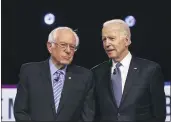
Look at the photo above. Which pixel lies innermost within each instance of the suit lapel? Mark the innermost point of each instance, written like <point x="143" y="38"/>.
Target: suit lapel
<point x="46" y="79"/>
<point x="131" y="77"/>
<point x="107" y="78"/>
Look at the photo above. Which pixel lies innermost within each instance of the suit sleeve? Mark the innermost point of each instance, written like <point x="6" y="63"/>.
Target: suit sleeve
<point x="87" y="114"/>
<point x="158" y="96"/>
<point x="21" y="110"/>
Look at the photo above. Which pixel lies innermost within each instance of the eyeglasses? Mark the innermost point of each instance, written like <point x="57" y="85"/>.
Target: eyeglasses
<point x="64" y="46"/>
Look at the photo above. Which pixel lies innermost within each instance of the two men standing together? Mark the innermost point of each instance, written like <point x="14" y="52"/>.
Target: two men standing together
<point x="124" y="88"/>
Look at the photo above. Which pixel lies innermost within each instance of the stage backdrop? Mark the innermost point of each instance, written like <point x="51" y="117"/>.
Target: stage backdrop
<point x="9" y="92"/>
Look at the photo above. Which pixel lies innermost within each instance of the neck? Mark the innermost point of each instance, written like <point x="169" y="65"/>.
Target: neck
<point x="122" y="56"/>
<point x="58" y="65"/>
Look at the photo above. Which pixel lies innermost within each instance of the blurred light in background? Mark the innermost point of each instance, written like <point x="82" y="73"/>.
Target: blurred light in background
<point x="130" y="20"/>
<point x="49" y="18"/>
<point x="168" y="101"/>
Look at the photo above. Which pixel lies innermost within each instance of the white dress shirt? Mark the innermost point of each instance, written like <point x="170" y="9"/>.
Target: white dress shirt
<point x="123" y="68"/>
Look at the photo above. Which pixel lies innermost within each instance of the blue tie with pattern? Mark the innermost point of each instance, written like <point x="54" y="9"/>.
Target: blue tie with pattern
<point x="117" y="83"/>
<point x="57" y="86"/>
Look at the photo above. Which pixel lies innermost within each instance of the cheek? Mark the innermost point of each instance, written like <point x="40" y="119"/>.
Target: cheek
<point x="120" y="44"/>
<point x="56" y="53"/>
<point x="115" y="45"/>
<point x="72" y="55"/>
<point x="121" y="47"/>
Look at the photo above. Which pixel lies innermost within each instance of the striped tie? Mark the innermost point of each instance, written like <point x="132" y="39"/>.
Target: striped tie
<point x="57" y="86"/>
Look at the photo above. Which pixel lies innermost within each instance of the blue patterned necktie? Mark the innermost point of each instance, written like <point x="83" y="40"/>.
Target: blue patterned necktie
<point x="117" y="83"/>
<point x="57" y="86"/>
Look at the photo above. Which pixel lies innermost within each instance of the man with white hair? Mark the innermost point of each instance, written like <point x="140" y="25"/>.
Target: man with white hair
<point x="128" y="89"/>
<point x="55" y="89"/>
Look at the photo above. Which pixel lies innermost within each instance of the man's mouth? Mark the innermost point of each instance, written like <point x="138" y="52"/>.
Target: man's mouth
<point x="67" y="58"/>
<point x="109" y="50"/>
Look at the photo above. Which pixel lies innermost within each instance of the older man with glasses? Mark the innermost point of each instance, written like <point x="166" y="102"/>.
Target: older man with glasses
<point x="55" y="89"/>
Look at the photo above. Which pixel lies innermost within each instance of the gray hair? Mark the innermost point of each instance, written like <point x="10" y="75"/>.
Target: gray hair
<point x="52" y="36"/>
<point x="122" y="23"/>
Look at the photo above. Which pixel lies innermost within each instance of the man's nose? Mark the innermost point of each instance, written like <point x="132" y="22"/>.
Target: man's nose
<point x="68" y="49"/>
<point x="107" y="42"/>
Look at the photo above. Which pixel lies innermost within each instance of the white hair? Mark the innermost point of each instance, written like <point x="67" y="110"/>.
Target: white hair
<point x="122" y="23"/>
<point x="52" y="36"/>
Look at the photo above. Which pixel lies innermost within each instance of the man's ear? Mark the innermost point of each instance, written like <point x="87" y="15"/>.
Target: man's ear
<point x="49" y="47"/>
<point x="127" y="41"/>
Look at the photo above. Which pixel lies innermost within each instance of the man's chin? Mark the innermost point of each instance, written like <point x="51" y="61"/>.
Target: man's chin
<point x="112" y="56"/>
<point x="65" y="62"/>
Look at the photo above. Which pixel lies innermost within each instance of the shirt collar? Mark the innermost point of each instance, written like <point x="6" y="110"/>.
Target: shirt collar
<point x="53" y="68"/>
<point x="125" y="61"/>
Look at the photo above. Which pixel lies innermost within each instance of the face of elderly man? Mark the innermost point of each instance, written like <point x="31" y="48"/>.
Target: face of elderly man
<point x="115" y="40"/>
<point x="63" y="49"/>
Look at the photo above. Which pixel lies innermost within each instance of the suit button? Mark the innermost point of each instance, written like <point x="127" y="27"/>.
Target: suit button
<point x="118" y="114"/>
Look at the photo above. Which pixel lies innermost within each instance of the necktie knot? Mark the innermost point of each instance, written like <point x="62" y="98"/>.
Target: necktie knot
<point x="116" y="70"/>
<point x="58" y="74"/>
<point x="118" y="65"/>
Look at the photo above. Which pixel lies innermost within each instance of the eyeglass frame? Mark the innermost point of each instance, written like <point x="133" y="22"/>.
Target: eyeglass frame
<point x="65" y="45"/>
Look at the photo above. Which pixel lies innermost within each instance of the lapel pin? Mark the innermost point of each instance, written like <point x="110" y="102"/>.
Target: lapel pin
<point x="69" y="77"/>
<point x="135" y="68"/>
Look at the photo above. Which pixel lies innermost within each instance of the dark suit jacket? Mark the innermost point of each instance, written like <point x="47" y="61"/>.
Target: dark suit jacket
<point x="143" y="99"/>
<point x="34" y="99"/>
